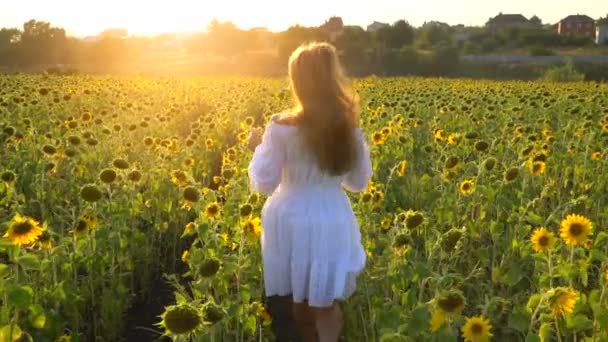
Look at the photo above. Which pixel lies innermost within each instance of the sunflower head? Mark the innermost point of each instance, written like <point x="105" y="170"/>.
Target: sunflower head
<point x="8" y="176"/>
<point x="191" y="194"/>
<point x="537" y="168"/>
<point x="180" y="320"/>
<point x="120" y="164"/>
<point x="91" y="193"/>
<point x="212" y="313"/>
<point x="402" y="168"/>
<point x="451" y="302"/>
<point x="511" y="174"/>
<point x="413" y="219"/>
<point x="477" y="329"/>
<point x="208" y="267"/>
<point x="542" y="240"/>
<point x="562" y="301"/>
<point x="212" y="210"/>
<point x="467" y="187"/>
<point x="378" y="138"/>
<point x="481" y="146"/>
<point x="489" y="164"/>
<point x="597" y="155"/>
<point x="179" y="177"/>
<point x="245" y="210"/>
<point x="452" y="163"/>
<point x="107" y="176"/>
<point x="253" y="226"/>
<point x="575" y="229"/>
<point x="23" y="230"/>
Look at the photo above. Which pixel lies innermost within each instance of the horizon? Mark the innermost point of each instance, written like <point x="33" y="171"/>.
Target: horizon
<point x="188" y="16"/>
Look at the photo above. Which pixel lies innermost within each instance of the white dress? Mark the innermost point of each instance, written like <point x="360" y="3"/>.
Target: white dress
<point x="311" y="243"/>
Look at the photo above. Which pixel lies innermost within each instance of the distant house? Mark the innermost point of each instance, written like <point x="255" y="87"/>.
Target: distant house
<point x="333" y="27"/>
<point x="375" y="26"/>
<point x="601" y="34"/>
<point x="503" y="21"/>
<point x="577" y="24"/>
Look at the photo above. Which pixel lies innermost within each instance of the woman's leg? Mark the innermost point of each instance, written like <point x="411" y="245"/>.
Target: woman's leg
<point x="305" y="320"/>
<point x="329" y="322"/>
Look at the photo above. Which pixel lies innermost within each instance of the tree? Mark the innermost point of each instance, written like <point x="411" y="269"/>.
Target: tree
<point x="42" y="44"/>
<point x="535" y="21"/>
<point x="289" y="40"/>
<point x="433" y="33"/>
<point x="226" y="39"/>
<point x="9" y="40"/>
<point x="603" y="21"/>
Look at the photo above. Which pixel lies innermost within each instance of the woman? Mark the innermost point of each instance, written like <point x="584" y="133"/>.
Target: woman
<point x="311" y="244"/>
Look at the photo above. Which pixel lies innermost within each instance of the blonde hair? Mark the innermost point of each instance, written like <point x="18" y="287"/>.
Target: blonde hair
<point x="326" y="109"/>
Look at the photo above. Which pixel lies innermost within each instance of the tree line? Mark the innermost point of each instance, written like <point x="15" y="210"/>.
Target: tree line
<point x="397" y="49"/>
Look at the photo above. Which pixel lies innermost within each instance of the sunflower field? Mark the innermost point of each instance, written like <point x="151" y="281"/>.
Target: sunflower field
<point x="486" y="218"/>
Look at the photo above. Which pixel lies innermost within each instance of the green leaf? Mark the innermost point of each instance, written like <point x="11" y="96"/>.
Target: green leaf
<point x="537" y="220"/>
<point x="445" y="334"/>
<point x="37" y="316"/>
<point x="422" y="270"/>
<point x="21" y="297"/>
<point x="419" y="320"/>
<point x="28" y="262"/>
<point x="533" y="338"/>
<point x="578" y="322"/>
<point x="545" y="332"/>
<point x="250" y="324"/>
<point x="3" y="269"/>
<point x="10" y="333"/>
<point x="519" y="320"/>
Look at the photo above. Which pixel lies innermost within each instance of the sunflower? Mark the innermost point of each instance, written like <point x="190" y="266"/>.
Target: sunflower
<point x="378" y="138"/>
<point x="575" y="229"/>
<point x="477" y="329"/>
<point x="562" y="301"/>
<point x="467" y="187"/>
<point x="212" y="210"/>
<point x="402" y="168"/>
<point x="438" y="319"/>
<point x="186" y="256"/>
<point x="23" y="230"/>
<point x="511" y="174"/>
<point x="452" y="163"/>
<point x="542" y="240"/>
<point x="453" y="138"/>
<point x="451" y="302"/>
<point x="440" y="135"/>
<point x="597" y="155"/>
<point x="386" y="223"/>
<point x="189" y="228"/>
<point x="253" y="226"/>
<point x="86" y="222"/>
<point x="181" y="320"/>
<point x="189" y="162"/>
<point x="537" y="168"/>
<point x="179" y="177"/>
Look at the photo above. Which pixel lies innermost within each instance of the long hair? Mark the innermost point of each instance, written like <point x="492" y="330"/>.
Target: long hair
<point x="326" y="109"/>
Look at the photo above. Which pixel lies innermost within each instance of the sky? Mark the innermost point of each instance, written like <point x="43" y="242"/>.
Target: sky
<point x="147" y="17"/>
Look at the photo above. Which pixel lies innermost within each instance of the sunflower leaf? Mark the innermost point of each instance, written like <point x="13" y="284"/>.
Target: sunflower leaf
<point x="21" y="297"/>
<point x="28" y="262"/>
<point x="519" y="320"/>
<point x="578" y="322"/>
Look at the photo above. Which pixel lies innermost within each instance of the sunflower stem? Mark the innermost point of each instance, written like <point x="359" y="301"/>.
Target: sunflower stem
<point x="559" y="334"/>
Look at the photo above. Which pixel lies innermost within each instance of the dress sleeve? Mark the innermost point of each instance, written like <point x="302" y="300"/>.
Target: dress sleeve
<point x="266" y="166"/>
<point x="358" y="178"/>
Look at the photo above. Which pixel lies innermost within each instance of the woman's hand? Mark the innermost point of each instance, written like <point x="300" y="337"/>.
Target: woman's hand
<point x="255" y="138"/>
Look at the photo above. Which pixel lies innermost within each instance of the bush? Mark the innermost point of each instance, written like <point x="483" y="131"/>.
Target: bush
<point x="540" y="51"/>
<point x="564" y="73"/>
